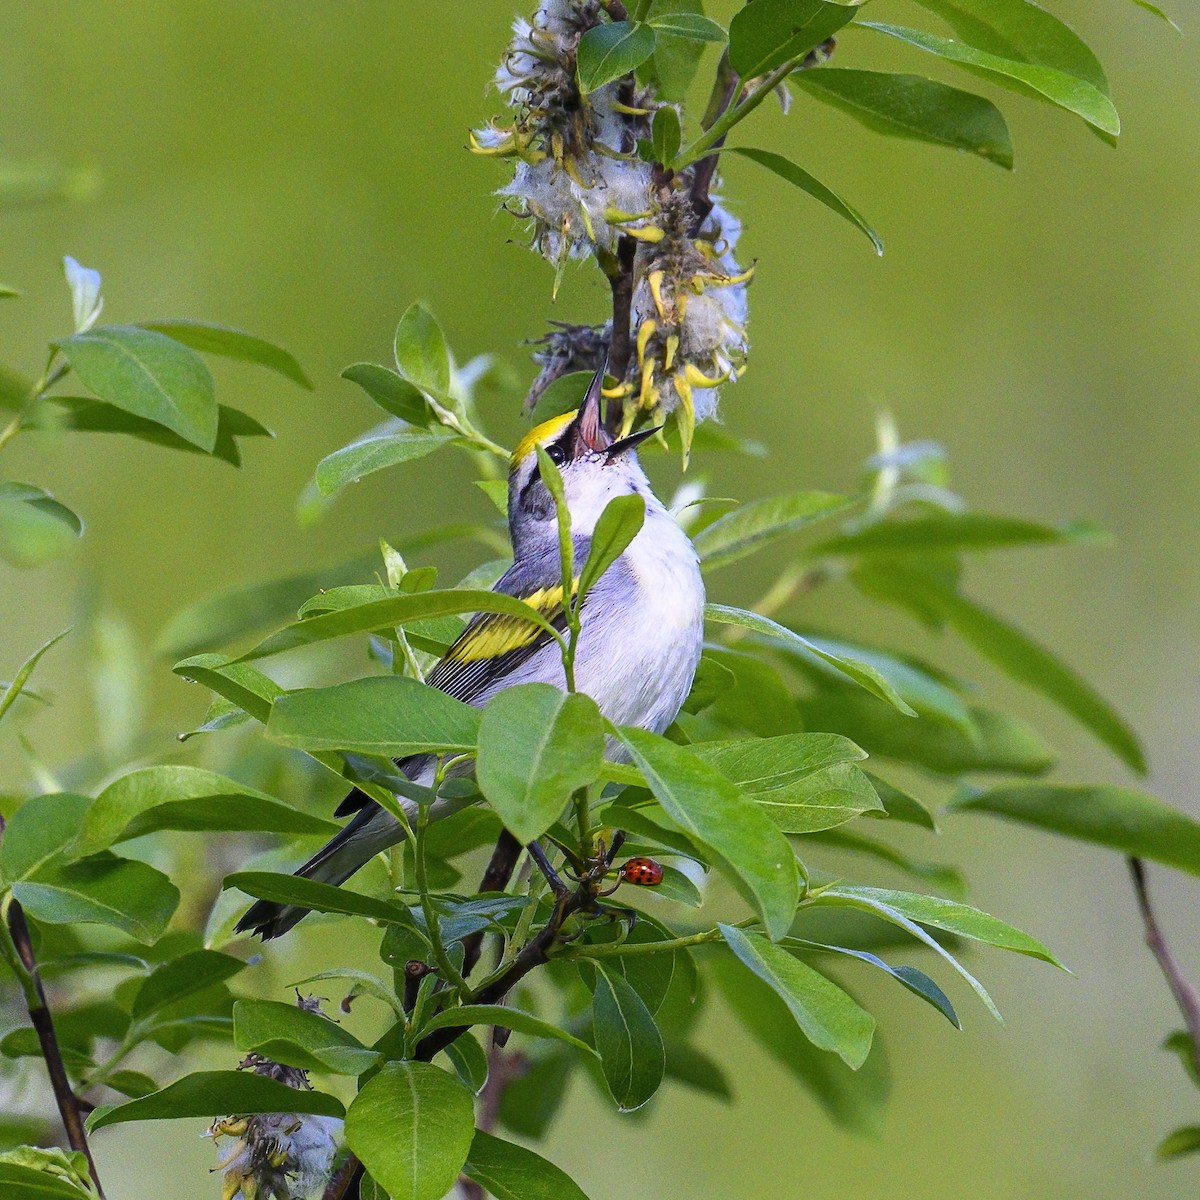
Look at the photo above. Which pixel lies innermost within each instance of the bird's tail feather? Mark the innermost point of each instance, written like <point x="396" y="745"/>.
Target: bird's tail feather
<point x="347" y="851"/>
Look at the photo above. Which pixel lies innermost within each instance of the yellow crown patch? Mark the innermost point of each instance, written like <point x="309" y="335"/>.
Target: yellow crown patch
<point x="541" y="435"/>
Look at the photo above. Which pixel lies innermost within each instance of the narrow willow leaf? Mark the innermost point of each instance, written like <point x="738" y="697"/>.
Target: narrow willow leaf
<point x="830" y="1019"/>
<point x="768" y="33"/>
<point x="900" y="806"/>
<point x="855" y="1100"/>
<point x="24" y="671"/>
<point x="401" y="610"/>
<point x="510" y="1172"/>
<point x="290" y="1035"/>
<point x="1021" y="30"/>
<point x="392" y="392"/>
<point x="1000" y="743"/>
<point x="915" y="981"/>
<point x="181" y="977"/>
<point x="537" y="745"/>
<point x="628" y="1041"/>
<point x="233" y="343"/>
<point x="799" y="177"/>
<point x="239" y="683"/>
<point x="617" y="526"/>
<point x="34" y="526"/>
<point x="412" y="1126"/>
<point x="911" y="106"/>
<point x="871" y="905"/>
<point x="148" y="374"/>
<point x="1182" y="1141"/>
<point x="693" y="26"/>
<point x="1063" y="90"/>
<point x="386" y="714"/>
<point x="860" y="672"/>
<point x="752" y="526"/>
<point x="505" y="1018"/>
<point x="103" y="890"/>
<point x="186" y="798"/>
<point x="953" y="917"/>
<point x="608" y="51"/>
<point x="1126" y="820"/>
<point x="711" y="809"/>
<point x="1159" y="13"/>
<point x="421" y="355"/>
<point x="803" y="781"/>
<point x="951" y="531"/>
<point x="213" y="1093"/>
<point x="372" y="453"/>
<point x="308" y="893"/>
<point x="1015" y="652"/>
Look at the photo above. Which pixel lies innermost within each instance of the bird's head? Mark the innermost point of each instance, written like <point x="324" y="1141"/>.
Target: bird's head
<point x="594" y="470"/>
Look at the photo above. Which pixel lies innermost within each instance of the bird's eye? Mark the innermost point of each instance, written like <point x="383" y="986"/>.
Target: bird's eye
<point x="556" y="454"/>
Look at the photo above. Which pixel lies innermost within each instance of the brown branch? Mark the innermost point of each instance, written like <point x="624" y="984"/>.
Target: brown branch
<point x="1185" y="995"/>
<point x="725" y="88"/>
<point x="339" y="1186"/>
<point x="620" y="348"/>
<point x="43" y="1024"/>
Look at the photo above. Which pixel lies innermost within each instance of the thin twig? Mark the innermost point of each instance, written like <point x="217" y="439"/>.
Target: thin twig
<point x="1185" y="995"/>
<point x="620" y="280"/>
<point x="724" y="89"/>
<point x="43" y="1024"/>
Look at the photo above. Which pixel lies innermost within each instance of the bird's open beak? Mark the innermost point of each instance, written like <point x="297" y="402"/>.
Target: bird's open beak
<point x="628" y="443"/>
<point x="590" y="435"/>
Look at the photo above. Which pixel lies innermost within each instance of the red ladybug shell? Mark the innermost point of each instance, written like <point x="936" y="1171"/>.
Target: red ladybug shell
<point x="645" y="872"/>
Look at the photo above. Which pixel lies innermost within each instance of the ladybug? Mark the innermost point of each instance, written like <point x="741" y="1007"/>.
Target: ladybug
<point x="645" y="872"/>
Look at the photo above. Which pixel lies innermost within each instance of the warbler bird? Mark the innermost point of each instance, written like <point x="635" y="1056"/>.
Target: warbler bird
<point x="641" y="624"/>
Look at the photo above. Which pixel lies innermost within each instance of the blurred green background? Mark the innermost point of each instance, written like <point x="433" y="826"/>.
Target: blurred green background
<point x="298" y="171"/>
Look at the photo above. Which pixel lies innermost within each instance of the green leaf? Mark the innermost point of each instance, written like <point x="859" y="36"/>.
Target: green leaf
<point x="960" y="919"/>
<point x="1020" y="30"/>
<point x="401" y="610"/>
<point x="676" y="59"/>
<point x="308" y="893"/>
<point x="694" y="27"/>
<point x="104" y="890"/>
<point x="1015" y="652"/>
<point x="630" y="1046"/>
<point x="421" y="355"/>
<point x="80" y="414"/>
<point x="1126" y="820"/>
<point x="186" y="798"/>
<point x="133" y="1084"/>
<point x="1063" y="90"/>
<point x="232" y="343"/>
<point x="616" y="527"/>
<point x="855" y="1100"/>
<point x="755" y="525"/>
<point x="386" y="714"/>
<point x="504" y="1017"/>
<point x="860" y="672"/>
<point x="900" y="806"/>
<point x="172" y="981"/>
<point x="950" y="531"/>
<point x="665" y="134"/>
<point x="937" y="875"/>
<point x="412" y="1127"/>
<point x="510" y="1172"/>
<point x="213" y="1093"/>
<point x="470" y="1061"/>
<point x="1000" y="743"/>
<point x="766" y="34"/>
<point x="150" y="375"/>
<point x="537" y="744"/>
<point x="1158" y="12"/>
<point x="393" y="393"/>
<point x="34" y="527"/>
<point x="1182" y="1141"/>
<point x="711" y="809"/>
<point x="375" y="452"/>
<point x="290" y="1035"/>
<point x="911" y="106"/>
<point x="21" y="678"/>
<point x="239" y="683"/>
<point x="20" y="1182"/>
<point x="830" y="1019"/>
<point x="608" y="51"/>
<point x="803" y="781"/>
<point x="692" y="1067"/>
<point x="38" y="831"/>
<point x="799" y="177"/>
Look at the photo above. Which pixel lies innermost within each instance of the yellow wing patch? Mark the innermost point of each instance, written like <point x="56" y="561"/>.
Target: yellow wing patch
<point x="541" y="435"/>
<point x="499" y="633"/>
